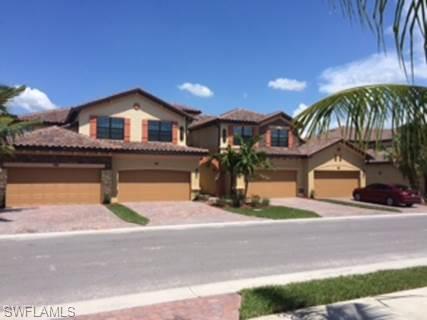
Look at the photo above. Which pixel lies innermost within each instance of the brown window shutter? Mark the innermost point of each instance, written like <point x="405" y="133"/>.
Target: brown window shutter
<point x="127" y="130"/>
<point x="230" y="135"/>
<point x="267" y="137"/>
<point x="144" y="130"/>
<point x="174" y="133"/>
<point x="92" y="126"/>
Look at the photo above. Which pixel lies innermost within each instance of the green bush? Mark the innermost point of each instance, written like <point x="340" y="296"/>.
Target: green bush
<point x="255" y="202"/>
<point x="265" y="202"/>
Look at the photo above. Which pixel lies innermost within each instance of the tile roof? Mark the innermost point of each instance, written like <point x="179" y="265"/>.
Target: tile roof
<point x="241" y="114"/>
<point x="278" y="151"/>
<point x="57" y="116"/>
<point x="187" y="109"/>
<point x="349" y="133"/>
<point x="55" y="137"/>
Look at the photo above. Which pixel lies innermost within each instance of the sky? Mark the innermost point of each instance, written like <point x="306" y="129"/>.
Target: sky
<point x="213" y="55"/>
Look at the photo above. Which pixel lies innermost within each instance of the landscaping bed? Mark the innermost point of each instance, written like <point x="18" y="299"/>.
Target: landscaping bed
<point x="276" y="299"/>
<point x="274" y="212"/>
<point x="127" y="214"/>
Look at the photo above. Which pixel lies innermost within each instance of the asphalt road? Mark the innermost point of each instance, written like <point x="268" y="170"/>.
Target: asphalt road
<point x="66" y="269"/>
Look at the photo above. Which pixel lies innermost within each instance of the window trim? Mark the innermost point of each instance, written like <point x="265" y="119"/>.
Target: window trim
<point x="109" y="128"/>
<point x="158" y="135"/>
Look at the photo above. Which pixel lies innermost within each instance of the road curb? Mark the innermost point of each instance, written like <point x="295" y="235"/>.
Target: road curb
<point x="226" y="287"/>
<point x="31" y="236"/>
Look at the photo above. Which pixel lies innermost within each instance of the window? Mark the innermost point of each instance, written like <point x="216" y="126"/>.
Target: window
<point x="110" y="128"/>
<point x="160" y="131"/>
<point x="279" y="138"/>
<point x="246" y="133"/>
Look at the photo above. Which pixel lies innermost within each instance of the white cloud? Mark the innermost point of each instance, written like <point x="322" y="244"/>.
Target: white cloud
<point x="287" y="84"/>
<point x="31" y="100"/>
<point x="196" y="89"/>
<point x="301" y="107"/>
<point x="375" y="69"/>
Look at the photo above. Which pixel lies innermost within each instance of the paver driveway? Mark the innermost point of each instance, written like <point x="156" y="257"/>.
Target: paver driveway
<point x="58" y="218"/>
<point x="326" y="209"/>
<point x="186" y="212"/>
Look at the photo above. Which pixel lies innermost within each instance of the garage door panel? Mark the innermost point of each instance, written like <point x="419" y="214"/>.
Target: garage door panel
<point x="44" y="186"/>
<point x="154" y="185"/>
<point x="330" y="184"/>
<point x="274" y="184"/>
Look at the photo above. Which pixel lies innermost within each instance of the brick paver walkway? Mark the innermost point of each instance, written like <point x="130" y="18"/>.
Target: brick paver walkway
<point x="223" y="307"/>
<point x="186" y="212"/>
<point x="58" y="218"/>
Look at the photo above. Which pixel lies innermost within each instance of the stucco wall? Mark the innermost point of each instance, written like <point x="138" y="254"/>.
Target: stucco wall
<point x="123" y="107"/>
<point x="384" y="173"/>
<point x="338" y="157"/>
<point x="206" y="137"/>
<point x="157" y="162"/>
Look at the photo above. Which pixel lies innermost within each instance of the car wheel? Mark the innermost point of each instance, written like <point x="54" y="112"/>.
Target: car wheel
<point x="409" y="205"/>
<point x="357" y="197"/>
<point x="390" y="202"/>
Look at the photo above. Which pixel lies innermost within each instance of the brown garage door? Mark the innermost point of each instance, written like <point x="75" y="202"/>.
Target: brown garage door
<point x="41" y="186"/>
<point x="154" y="185"/>
<point x="329" y="184"/>
<point x="274" y="184"/>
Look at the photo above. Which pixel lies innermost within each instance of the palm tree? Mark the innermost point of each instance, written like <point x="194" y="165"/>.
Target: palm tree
<point x="10" y="125"/>
<point x="242" y="162"/>
<point x="409" y="22"/>
<point x="250" y="160"/>
<point x="370" y="109"/>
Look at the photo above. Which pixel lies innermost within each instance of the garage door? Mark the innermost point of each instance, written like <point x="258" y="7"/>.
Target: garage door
<point x="274" y="184"/>
<point x="335" y="183"/>
<point x="154" y="185"/>
<point x="41" y="186"/>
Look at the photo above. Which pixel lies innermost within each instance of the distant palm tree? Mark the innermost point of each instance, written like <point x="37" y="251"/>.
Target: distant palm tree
<point x="366" y="111"/>
<point x="10" y="125"/>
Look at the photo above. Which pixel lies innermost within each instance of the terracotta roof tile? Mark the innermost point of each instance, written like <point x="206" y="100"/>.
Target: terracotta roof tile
<point x="57" y="116"/>
<point x="241" y="114"/>
<point x="343" y="132"/>
<point x="59" y="138"/>
<point x="278" y="151"/>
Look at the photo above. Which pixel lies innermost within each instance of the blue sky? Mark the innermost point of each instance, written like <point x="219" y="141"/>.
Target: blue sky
<point x="214" y="55"/>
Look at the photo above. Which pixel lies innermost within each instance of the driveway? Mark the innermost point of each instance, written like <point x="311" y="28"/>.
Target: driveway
<point x="325" y="209"/>
<point x="416" y="208"/>
<point x="169" y="213"/>
<point x="58" y="218"/>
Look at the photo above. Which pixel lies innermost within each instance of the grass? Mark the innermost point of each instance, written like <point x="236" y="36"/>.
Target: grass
<point x="274" y="212"/>
<point x="274" y="299"/>
<point x="359" y="205"/>
<point x="127" y="214"/>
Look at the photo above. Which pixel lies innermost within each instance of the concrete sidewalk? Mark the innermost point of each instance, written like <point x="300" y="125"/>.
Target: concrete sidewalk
<point x="402" y="305"/>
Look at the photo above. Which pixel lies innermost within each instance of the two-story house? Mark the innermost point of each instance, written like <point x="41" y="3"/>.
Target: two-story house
<point x="324" y="167"/>
<point x="130" y="146"/>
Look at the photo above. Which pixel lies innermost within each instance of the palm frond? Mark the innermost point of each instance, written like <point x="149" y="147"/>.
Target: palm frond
<point x="409" y="22"/>
<point x="6" y="94"/>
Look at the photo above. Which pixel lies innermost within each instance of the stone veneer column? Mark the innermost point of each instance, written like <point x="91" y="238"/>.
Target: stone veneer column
<point x="3" y="183"/>
<point x="107" y="184"/>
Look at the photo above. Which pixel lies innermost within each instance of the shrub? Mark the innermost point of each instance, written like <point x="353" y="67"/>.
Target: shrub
<point x="255" y="202"/>
<point x="312" y="194"/>
<point x="265" y="202"/>
<point x="238" y="199"/>
<point x="107" y="199"/>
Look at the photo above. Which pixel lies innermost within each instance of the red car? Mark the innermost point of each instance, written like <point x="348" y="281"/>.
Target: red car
<point x="390" y="194"/>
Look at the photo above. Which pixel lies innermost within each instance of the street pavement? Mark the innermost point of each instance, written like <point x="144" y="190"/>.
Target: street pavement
<point x="75" y="268"/>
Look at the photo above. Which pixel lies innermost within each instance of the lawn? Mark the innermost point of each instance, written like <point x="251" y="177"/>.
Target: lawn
<point x="127" y="214"/>
<point x="359" y="205"/>
<point x="274" y="299"/>
<point x="274" y="212"/>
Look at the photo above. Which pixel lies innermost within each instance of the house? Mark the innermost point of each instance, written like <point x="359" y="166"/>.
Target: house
<point x="324" y="167"/>
<point x="131" y="146"/>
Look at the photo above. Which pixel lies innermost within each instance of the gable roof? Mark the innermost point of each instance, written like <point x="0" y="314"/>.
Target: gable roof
<point x="135" y="92"/>
<point x="187" y="109"/>
<point x="350" y="134"/>
<point x="238" y="115"/>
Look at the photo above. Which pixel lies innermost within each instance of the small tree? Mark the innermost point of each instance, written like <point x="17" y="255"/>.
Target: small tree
<point x="250" y="160"/>
<point x="244" y="161"/>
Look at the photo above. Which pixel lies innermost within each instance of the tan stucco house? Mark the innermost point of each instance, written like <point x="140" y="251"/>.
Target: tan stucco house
<point x="134" y="146"/>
